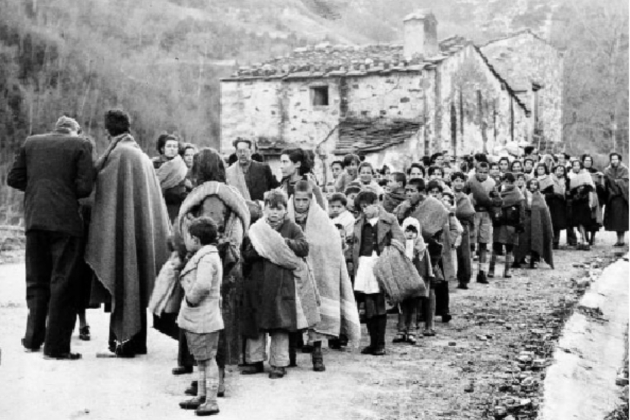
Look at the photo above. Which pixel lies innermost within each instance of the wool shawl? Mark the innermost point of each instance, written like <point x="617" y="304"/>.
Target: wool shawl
<point x="545" y="182"/>
<point x="559" y="185"/>
<point x="172" y="172"/>
<point x="480" y="195"/>
<point x="617" y="180"/>
<point x="511" y="197"/>
<point x="270" y="245"/>
<point x="127" y="241"/>
<point x="338" y="309"/>
<point x="464" y="209"/>
<point x="539" y="234"/>
<point x="430" y="212"/>
<point x="581" y="179"/>
<point x="393" y="199"/>
<point x="236" y="178"/>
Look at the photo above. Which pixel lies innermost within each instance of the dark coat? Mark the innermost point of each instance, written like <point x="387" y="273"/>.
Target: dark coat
<point x="269" y="290"/>
<point x="387" y="228"/>
<point x="558" y="208"/>
<point x="54" y="170"/>
<point x="259" y="180"/>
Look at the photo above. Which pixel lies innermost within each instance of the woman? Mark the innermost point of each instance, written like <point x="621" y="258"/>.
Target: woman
<point x="528" y="167"/>
<point x="437" y="173"/>
<point x="599" y="197"/>
<point x="504" y="164"/>
<point x="350" y="165"/>
<point x="366" y="179"/>
<point x="296" y="165"/>
<point x="187" y="153"/>
<point x="416" y="170"/>
<point x="557" y="202"/>
<point x="541" y="173"/>
<point x="581" y="199"/>
<point x="516" y="167"/>
<point x="616" y="219"/>
<point x="212" y="197"/>
<point x="171" y="171"/>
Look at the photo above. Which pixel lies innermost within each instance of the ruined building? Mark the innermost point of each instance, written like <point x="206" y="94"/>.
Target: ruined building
<point x="396" y="103"/>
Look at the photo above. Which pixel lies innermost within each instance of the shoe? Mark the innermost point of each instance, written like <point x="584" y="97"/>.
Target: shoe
<point x="192" y="389"/>
<point x="400" y="338"/>
<point x="193" y="403"/>
<point x="30" y="350"/>
<point x="556" y="247"/>
<point x="428" y="333"/>
<point x="378" y="351"/>
<point x="446" y="318"/>
<point x="63" y="356"/>
<point x="462" y="286"/>
<point x="367" y="350"/>
<point x="516" y="264"/>
<point x="181" y="370"/>
<point x="318" y="360"/>
<point x="253" y="368"/>
<point x="411" y="339"/>
<point x="84" y="333"/>
<point x="481" y="278"/>
<point x="307" y="348"/>
<point x="221" y="386"/>
<point x="277" y="372"/>
<point x="209" y="408"/>
<point x="619" y="244"/>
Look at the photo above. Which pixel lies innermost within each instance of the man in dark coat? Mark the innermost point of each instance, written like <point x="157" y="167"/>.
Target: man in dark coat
<point x="251" y="178"/>
<point x="54" y="170"/>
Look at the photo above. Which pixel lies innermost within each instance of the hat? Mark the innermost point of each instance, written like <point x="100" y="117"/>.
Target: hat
<point x="67" y="124"/>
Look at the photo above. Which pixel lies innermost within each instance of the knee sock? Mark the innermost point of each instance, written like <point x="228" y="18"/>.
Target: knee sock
<point x="212" y="380"/>
<point x="483" y="265"/>
<point x="201" y="384"/>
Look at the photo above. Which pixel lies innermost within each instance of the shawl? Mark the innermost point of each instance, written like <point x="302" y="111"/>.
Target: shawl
<point x="393" y="199"/>
<point x="419" y="244"/>
<point x="271" y="246"/>
<point x="559" y="185"/>
<point x="166" y="296"/>
<point x="545" y="182"/>
<point x="430" y="212"/>
<point x="480" y="196"/>
<point x="580" y="179"/>
<point x="236" y="178"/>
<point x="617" y="180"/>
<point x="338" y="310"/>
<point x="464" y="209"/>
<point x="397" y="276"/>
<point x="511" y="197"/>
<point x="172" y="172"/>
<point x="127" y="241"/>
<point x="541" y="228"/>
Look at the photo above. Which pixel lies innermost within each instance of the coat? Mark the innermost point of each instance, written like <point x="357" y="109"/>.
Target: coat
<point x="259" y="180"/>
<point x="54" y="170"/>
<point x="269" y="301"/>
<point x="387" y="229"/>
<point x="201" y="280"/>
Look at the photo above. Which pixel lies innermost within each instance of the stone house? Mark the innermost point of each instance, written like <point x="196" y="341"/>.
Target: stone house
<point x="396" y="103"/>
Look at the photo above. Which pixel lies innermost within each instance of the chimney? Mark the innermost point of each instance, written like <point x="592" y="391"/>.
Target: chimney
<point x="420" y="34"/>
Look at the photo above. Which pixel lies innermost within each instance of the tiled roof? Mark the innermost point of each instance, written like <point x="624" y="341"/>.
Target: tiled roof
<point x="346" y="60"/>
<point x="371" y="135"/>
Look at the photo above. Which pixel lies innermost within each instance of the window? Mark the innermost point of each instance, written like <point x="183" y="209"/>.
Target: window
<point x="319" y="95"/>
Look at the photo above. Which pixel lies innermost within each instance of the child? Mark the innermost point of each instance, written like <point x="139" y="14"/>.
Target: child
<point x="338" y="212"/>
<point x="415" y="249"/>
<point x="342" y="341"/>
<point x="351" y="192"/>
<point x="396" y="194"/>
<point x="200" y="314"/>
<point x="374" y="230"/>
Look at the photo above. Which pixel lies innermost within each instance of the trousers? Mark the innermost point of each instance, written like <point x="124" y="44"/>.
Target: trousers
<point x="51" y="290"/>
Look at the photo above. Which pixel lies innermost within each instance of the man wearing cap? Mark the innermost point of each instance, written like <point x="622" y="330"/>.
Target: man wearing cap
<point x="253" y="179"/>
<point x="54" y="170"/>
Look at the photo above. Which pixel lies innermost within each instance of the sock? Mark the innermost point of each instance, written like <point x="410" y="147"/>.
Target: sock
<point x="212" y="380"/>
<point x="201" y="383"/>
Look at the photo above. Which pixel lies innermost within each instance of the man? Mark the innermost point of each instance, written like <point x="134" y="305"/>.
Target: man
<point x="253" y="179"/>
<point x="127" y="243"/>
<point x="481" y="189"/>
<point x="54" y="170"/>
<point x="338" y="311"/>
<point x="337" y="168"/>
<point x="616" y="215"/>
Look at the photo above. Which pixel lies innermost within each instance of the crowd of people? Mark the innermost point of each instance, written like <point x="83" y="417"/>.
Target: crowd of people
<point x="234" y="263"/>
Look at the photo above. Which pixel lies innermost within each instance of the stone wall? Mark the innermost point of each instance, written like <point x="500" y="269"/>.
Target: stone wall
<point x="526" y="59"/>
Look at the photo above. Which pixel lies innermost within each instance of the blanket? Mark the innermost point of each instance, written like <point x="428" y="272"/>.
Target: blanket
<point x="479" y="192"/>
<point x="545" y="182"/>
<point x="271" y="245"/>
<point x="430" y="212"/>
<point x="338" y="310"/>
<point x="538" y="235"/>
<point x="127" y="242"/>
<point x="393" y="199"/>
<point x="397" y="276"/>
<point x="511" y="197"/>
<point x="236" y="178"/>
<point x="172" y="172"/>
<point x="617" y="180"/>
<point x="581" y="179"/>
<point x="166" y="297"/>
<point x="464" y="209"/>
<point x="559" y="185"/>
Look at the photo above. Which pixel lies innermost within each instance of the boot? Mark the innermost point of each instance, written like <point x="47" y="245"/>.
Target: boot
<point x="318" y="357"/>
<point x="277" y="372"/>
<point x="210" y="406"/>
<point x="493" y="262"/>
<point x="253" y="368"/>
<point x="429" y="311"/>
<point x="371" y="331"/>
<point x="293" y="344"/>
<point x="192" y="389"/>
<point x="380" y="329"/>
<point x="221" y="389"/>
<point x="481" y="278"/>
<point x="508" y="263"/>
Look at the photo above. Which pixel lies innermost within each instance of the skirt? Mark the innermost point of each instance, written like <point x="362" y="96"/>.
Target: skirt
<point x="203" y="346"/>
<point x="365" y="280"/>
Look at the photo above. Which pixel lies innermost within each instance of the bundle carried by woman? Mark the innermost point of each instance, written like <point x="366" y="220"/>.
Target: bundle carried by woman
<point x="396" y="275"/>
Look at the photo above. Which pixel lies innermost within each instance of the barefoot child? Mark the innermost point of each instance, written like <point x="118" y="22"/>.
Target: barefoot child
<point x="200" y="314"/>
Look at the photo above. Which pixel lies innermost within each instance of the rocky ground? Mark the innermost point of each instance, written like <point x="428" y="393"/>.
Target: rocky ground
<point x="488" y="362"/>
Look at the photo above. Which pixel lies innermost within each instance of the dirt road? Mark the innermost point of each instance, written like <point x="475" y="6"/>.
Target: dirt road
<point x="475" y="352"/>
